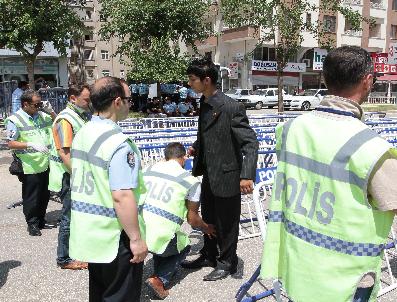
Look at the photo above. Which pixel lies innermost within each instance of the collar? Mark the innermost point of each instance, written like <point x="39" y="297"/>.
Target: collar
<point x="84" y="114"/>
<point x="98" y="119"/>
<point x="214" y="100"/>
<point x="342" y="106"/>
<point x="174" y="164"/>
<point x="24" y="114"/>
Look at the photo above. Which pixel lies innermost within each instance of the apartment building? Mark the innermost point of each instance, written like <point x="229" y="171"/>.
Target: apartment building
<point x="255" y="67"/>
<point x="91" y="57"/>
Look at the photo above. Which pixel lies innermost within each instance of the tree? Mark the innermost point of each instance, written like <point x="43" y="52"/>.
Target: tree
<point x="27" y="25"/>
<point x="151" y="33"/>
<point x="283" y="23"/>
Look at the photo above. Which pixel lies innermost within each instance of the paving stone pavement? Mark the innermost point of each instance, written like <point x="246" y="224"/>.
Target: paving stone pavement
<point x="28" y="270"/>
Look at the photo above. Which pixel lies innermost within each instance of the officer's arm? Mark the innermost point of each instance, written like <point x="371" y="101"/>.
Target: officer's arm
<point x="17" y="145"/>
<point x="64" y="154"/>
<point x="126" y="208"/>
<point x="12" y="136"/>
<point x="194" y="219"/>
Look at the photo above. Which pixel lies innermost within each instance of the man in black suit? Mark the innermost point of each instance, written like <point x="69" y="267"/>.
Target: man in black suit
<point x="226" y="153"/>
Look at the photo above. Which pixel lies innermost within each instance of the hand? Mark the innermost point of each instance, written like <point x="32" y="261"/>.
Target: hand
<point x="38" y="147"/>
<point x="246" y="186"/>
<point x="139" y="250"/>
<point x="210" y="230"/>
<point x="47" y="107"/>
<point x="191" y="151"/>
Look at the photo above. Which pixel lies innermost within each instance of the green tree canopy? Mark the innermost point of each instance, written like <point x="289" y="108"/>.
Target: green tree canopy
<point x="150" y="32"/>
<point x="25" y="25"/>
<point x="283" y="23"/>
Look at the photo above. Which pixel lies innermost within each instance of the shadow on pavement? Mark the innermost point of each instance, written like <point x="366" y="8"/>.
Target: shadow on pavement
<point x="5" y="267"/>
<point x="53" y="216"/>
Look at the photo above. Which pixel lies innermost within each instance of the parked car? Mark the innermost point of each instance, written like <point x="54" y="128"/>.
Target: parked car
<point x="238" y="93"/>
<point x="262" y="97"/>
<point x="310" y="99"/>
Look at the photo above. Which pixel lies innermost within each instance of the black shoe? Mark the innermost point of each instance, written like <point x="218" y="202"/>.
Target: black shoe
<point x="218" y="274"/>
<point x="34" y="230"/>
<point x="47" y="226"/>
<point x="198" y="263"/>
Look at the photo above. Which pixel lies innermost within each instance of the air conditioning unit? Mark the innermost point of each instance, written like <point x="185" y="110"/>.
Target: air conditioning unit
<point x="307" y="62"/>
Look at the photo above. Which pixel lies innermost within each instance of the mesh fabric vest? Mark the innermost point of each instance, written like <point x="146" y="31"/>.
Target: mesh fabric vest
<point x="163" y="206"/>
<point x="94" y="227"/>
<point x="38" y="131"/>
<point x="57" y="167"/>
<point x="323" y="235"/>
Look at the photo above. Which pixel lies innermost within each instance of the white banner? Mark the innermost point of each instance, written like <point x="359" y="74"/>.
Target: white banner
<point x="392" y="57"/>
<point x="319" y="56"/>
<point x="272" y="66"/>
<point x="233" y="66"/>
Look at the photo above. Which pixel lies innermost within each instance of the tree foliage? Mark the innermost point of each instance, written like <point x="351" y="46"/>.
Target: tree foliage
<point x="26" y="25"/>
<point x="282" y="22"/>
<point x="150" y="32"/>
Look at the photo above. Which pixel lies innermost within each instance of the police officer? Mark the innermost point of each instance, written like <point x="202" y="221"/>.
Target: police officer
<point x="29" y="135"/>
<point x="105" y="187"/>
<point x="173" y="194"/>
<point x="333" y="197"/>
<point x="65" y="126"/>
<point x="169" y="107"/>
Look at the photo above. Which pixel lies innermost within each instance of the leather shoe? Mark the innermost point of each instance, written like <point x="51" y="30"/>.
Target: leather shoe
<point x="200" y="262"/>
<point x="74" y="265"/>
<point x="155" y="284"/>
<point x="34" y="230"/>
<point x="47" y="226"/>
<point x="218" y="274"/>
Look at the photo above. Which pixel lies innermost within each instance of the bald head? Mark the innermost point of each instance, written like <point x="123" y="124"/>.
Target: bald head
<point x="104" y="91"/>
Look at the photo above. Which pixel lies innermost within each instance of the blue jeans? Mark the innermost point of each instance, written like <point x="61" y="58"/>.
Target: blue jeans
<point x="166" y="264"/>
<point x="362" y="294"/>
<point x="64" y="226"/>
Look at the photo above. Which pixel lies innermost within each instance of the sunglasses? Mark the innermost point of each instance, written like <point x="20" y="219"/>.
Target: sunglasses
<point x="38" y="105"/>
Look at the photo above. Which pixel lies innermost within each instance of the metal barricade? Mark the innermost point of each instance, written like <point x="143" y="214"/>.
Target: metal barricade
<point x="6" y="90"/>
<point x="58" y="97"/>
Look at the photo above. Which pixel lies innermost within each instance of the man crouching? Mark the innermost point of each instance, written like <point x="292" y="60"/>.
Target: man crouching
<point x="172" y="195"/>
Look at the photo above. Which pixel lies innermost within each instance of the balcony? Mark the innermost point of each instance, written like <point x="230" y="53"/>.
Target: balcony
<point x="207" y="43"/>
<point x="90" y="63"/>
<point x="353" y="33"/>
<point x="240" y="34"/>
<point x="353" y="2"/>
<point x="377" y="4"/>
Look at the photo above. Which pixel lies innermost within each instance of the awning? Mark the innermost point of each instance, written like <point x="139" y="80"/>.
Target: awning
<point x="272" y="80"/>
<point x="388" y="78"/>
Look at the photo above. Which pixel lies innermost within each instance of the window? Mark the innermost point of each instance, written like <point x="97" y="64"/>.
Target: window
<point x="88" y="37"/>
<point x="105" y="73"/>
<point x="104" y="55"/>
<point x="88" y="15"/>
<point x="208" y="54"/>
<point x="394" y="5"/>
<point x="122" y="73"/>
<point x="393" y="32"/>
<point x="375" y="29"/>
<point x="329" y="23"/>
<point x="308" y="20"/>
<point x="265" y="54"/>
<point x="90" y="73"/>
<point x="270" y="93"/>
<point x="102" y="18"/>
<point x="88" y="54"/>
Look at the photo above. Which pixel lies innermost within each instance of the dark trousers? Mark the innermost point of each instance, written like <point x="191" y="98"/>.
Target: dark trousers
<point x="224" y="213"/>
<point x="166" y="264"/>
<point x="35" y="197"/>
<point x="118" y="281"/>
<point x="64" y="226"/>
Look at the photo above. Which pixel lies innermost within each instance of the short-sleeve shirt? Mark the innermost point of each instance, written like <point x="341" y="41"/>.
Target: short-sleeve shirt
<point x="169" y="108"/>
<point x="124" y="164"/>
<point x="12" y="130"/>
<point x="184" y="107"/>
<point x="183" y="92"/>
<point x="16" y="100"/>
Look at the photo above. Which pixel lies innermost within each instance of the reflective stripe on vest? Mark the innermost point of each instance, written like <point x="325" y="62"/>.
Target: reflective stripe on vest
<point x="160" y="212"/>
<point x="324" y="241"/>
<point x="93" y="209"/>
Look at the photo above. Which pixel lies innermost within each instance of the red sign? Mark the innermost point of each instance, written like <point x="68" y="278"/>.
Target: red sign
<point x="381" y="64"/>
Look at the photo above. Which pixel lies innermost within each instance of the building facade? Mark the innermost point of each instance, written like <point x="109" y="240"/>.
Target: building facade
<point x="92" y="58"/>
<point x="254" y="67"/>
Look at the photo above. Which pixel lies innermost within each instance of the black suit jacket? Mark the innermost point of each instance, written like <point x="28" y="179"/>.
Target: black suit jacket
<point x="231" y="147"/>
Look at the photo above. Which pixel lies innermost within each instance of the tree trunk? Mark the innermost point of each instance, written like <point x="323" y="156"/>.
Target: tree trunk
<point x="30" y="68"/>
<point x="280" y="90"/>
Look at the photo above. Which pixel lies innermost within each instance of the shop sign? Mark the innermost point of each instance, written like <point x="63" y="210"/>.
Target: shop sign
<point x="18" y="66"/>
<point x="233" y="66"/>
<point x="382" y="63"/>
<point x="272" y="66"/>
<point x="319" y="56"/>
<point x="392" y="56"/>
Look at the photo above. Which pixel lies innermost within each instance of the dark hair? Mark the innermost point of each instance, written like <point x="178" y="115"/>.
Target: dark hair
<point x="105" y="91"/>
<point x="22" y="84"/>
<point x="27" y="96"/>
<point x="203" y="68"/>
<point x="174" y="150"/>
<point x="346" y="66"/>
<point x="77" y="89"/>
